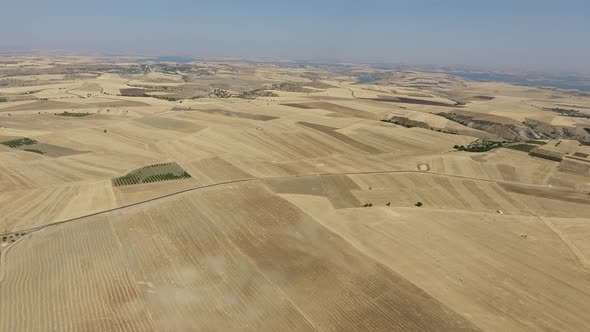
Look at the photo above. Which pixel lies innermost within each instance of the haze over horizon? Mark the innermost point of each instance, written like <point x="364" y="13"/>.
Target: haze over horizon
<point x="533" y="35"/>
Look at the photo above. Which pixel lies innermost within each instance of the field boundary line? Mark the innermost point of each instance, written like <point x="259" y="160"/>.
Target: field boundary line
<point x="229" y="182"/>
<point x="252" y="179"/>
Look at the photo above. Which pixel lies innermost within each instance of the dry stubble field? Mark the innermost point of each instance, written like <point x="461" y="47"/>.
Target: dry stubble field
<point x="272" y="230"/>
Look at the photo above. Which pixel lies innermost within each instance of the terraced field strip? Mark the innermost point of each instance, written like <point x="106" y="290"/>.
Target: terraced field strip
<point x="233" y="114"/>
<point x="58" y="105"/>
<point x="560" y="194"/>
<point x="572" y="166"/>
<point x="576" y="158"/>
<point x="345" y="110"/>
<point x="405" y="100"/>
<point x="152" y="173"/>
<point x="330" y="131"/>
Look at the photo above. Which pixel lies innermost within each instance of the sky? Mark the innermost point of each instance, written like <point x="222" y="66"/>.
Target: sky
<point x="522" y="34"/>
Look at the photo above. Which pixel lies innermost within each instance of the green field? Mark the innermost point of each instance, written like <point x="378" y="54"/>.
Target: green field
<point x="546" y="155"/>
<point x="152" y="173"/>
<point x="522" y="147"/>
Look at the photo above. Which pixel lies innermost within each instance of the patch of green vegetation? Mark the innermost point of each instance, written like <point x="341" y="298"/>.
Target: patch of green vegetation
<point x="290" y="87"/>
<point x="220" y="93"/>
<point x="521" y="147"/>
<point x="399" y="123"/>
<point x="546" y="155"/>
<point x="444" y="131"/>
<point x="152" y="173"/>
<point x="253" y="94"/>
<point x="34" y="151"/>
<point x="535" y="142"/>
<point x="74" y="114"/>
<point x="163" y="97"/>
<point x="483" y="146"/>
<point x="11" y="237"/>
<point x="570" y="112"/>
<point x="408" y="123"/>
<point x="16" y="143"/>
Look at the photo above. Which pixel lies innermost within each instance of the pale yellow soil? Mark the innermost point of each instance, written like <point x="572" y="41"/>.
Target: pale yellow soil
<point x="271" y="231"/>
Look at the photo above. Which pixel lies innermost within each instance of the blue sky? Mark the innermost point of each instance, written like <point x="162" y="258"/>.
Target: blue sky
<point x="521" y="34"/>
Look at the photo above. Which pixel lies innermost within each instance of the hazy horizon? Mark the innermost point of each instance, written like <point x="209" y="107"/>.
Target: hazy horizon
<point x="531" y="35"/>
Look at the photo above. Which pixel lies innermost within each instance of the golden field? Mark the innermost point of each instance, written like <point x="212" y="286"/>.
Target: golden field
<point x="300" y="211"/>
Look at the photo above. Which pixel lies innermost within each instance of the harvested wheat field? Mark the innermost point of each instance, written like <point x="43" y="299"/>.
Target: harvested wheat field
<point x="206" y="196"/>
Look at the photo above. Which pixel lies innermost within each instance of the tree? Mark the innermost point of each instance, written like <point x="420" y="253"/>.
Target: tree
<point x="419" y="204"/>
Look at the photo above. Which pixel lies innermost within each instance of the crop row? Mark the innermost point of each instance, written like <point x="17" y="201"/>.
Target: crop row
<point x="152" y="173"/>
<point x="166" y="177"/>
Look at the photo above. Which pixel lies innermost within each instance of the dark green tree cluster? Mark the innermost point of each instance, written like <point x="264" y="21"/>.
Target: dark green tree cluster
<point x="16" y="143"/>
<point x="482" y="147"/>
<point x="74" y="114"/>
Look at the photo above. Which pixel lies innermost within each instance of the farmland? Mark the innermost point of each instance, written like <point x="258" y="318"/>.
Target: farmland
<point x="30" y="145"/>
<point x="214" y="196"/>
<point x="152" y="173"/>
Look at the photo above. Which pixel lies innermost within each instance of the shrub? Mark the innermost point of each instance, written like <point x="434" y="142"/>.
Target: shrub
<point x="418" y="204"/>
<point x="35" y="151"/>
<point x="74" y="114"/>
